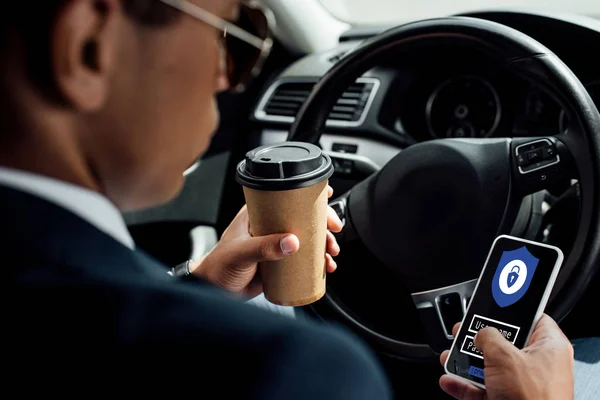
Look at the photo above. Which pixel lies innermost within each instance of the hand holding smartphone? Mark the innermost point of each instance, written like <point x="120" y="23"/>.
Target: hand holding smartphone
<point x="510" y="296"/>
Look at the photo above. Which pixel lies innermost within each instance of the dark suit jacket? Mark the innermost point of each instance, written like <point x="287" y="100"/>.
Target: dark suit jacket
<point x="82" y="314"/>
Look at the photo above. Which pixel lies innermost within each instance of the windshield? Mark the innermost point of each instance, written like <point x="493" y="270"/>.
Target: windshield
<point x="367" y="12"/>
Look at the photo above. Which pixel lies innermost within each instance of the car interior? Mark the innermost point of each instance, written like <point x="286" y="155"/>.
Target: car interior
<point x="446" y="130"/>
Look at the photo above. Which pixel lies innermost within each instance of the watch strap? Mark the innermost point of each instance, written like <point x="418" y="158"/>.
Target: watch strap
<point x="182" y="270"/>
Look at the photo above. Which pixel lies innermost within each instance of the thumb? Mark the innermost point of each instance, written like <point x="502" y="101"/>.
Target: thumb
<point x="496" y="349"/>
<point x="265" y="248"/>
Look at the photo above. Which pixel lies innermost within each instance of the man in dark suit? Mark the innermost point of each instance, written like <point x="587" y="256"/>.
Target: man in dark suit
<point x="104" y="104"/>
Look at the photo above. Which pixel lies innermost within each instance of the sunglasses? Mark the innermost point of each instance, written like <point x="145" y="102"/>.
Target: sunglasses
<point x="247" y="41"/>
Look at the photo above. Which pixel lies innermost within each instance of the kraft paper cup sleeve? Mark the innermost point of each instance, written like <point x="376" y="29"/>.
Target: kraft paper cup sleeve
<point x="298" y="279"/>
<point x="285" y="186"/>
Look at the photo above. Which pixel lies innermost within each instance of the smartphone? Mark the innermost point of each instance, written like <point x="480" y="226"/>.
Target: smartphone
<point x="511" y="296"/>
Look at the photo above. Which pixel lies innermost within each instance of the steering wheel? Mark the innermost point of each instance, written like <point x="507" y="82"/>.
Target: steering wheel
<point x="431" y="214"/>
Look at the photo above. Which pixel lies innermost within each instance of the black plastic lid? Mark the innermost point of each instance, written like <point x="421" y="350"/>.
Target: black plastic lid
<point x="284" y="166"/>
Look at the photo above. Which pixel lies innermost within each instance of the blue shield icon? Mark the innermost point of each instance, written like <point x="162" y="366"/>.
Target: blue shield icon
<point x="513" y="276"/>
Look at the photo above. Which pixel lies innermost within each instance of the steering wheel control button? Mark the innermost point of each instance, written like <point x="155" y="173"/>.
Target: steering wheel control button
<point x="450" y="309"/>
<point x="536" y="156"/>
<point x="536" y="166"/>
<point x="532" y="146"/>
<point x="510" y="332"/>
<point x="284" y="166"/>
<point x="468" y="348"/>
<point x="549" y="152"/>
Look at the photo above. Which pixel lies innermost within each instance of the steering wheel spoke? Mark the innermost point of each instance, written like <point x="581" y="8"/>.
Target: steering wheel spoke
<point x="541" y="163"/>
<point x="440" y="309"/>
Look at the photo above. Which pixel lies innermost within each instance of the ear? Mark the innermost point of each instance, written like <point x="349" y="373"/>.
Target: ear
<point x="83" y="45"/>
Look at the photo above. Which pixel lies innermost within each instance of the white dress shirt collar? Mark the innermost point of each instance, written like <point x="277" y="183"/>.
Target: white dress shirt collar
<point x="88" y="205"/>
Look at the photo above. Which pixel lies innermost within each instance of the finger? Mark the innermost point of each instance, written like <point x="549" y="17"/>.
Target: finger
<point x="329" y="191"/>
<point x="243" y="210"/>
<point x="495" y="348"/>
<point x="455" y="329"/>
<point x="444" y="357"/>
<point x="547" y="328"/>
<point x="330" y="264"/>
<point x="238" y="222"/>
<point x="334" y="223"/>
<point x="547" y="331"/>
<point x="333" y="248"/>
<point x="255" y="287"/>
<point x="459" y="389"/>
<point x="263" y="248"/>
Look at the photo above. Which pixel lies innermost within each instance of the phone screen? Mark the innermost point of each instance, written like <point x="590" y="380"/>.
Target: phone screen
<point x="510" y="296"/>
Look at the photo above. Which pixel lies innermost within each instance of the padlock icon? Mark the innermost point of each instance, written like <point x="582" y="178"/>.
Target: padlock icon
<point x="513" y="276"/>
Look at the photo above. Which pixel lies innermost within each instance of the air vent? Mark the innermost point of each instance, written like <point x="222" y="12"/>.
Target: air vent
<point x="287" y="99"/>
<point x="283" y="101"/>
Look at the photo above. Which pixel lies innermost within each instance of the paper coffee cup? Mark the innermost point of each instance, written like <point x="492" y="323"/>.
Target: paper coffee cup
<point x="285" y="186"/>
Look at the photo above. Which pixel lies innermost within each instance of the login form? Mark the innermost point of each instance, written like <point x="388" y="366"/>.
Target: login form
<point x="507" y="298"/>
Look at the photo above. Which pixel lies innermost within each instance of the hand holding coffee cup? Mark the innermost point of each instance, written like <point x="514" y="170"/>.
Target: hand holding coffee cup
<point x="233" y="263"/>
<point x="286" y="190"/>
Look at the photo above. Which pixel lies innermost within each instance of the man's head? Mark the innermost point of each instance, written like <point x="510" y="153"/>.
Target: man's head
<point x="115" y="95"/>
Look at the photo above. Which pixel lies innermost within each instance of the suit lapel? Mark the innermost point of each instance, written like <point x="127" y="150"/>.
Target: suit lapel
<point x="37" y="230"/>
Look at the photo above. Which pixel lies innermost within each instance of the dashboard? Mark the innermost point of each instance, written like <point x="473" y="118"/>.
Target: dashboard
<point x="469" y="98"/>
<point x="436" y="93"/>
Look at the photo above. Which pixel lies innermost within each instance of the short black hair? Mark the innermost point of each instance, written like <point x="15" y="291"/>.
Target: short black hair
<point x="34" y="25"/>
<point x="22" y="14"/>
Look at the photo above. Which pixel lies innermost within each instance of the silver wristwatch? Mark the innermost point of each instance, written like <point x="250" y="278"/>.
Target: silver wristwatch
<point x="182" y="269"/>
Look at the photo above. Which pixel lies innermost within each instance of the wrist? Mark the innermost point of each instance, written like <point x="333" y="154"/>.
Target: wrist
<point x="195" y="267"/>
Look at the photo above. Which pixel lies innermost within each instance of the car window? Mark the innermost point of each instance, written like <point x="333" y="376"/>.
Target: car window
<point x="361" y="12"/>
